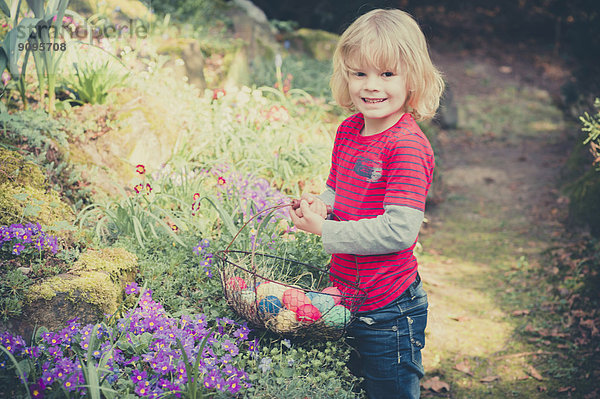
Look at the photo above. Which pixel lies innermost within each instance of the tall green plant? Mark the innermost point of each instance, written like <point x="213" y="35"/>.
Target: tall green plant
<point x="37" y="36"/>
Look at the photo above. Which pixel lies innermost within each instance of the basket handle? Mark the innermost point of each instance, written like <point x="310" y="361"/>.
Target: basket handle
<point x="295" y="204"/>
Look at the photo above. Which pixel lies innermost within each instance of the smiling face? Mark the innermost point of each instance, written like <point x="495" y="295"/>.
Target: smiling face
<point x="380" y="95"/>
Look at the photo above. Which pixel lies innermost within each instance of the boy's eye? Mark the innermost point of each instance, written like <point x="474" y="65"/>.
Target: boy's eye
<point x="359" y="73"/>
<point x="388" y="74"/>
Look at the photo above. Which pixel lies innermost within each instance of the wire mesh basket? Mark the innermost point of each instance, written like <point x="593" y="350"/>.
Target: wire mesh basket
<point x="287" y="297"/>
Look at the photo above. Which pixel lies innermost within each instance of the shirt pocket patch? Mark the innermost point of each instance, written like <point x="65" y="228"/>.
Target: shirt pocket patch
<point x="371" y="170"/>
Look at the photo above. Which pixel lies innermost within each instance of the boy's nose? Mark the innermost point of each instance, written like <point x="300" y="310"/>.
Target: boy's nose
<point x="372" y="83"/>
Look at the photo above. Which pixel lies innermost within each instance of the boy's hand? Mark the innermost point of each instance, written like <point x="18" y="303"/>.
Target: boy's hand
<point x="316" y="205"/>
<point x="310" y="221"/>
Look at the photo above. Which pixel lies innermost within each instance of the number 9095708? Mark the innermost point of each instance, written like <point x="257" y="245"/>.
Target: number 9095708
<point x="41" y="46"/>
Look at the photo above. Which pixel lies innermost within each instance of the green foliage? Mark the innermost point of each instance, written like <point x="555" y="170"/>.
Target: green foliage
<point x="591" y="126"/>
<point x="304" y="73"/>
<point x="91" y="83"/>
<point x="37" y="36"/>
<point x="286" y="370"/>
<point x="13" y="287"/>
<point x="45" y="141"/>
<point x="584" y="186"/>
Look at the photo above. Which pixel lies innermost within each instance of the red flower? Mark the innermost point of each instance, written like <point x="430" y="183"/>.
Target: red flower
<point x="138" y="188"/>
<point x="196" y="196"/>
<point x="221" y="181"/>
<point x="218" y="93"/>
<point x="141" y="169"/>
<point x="148" y="188"/>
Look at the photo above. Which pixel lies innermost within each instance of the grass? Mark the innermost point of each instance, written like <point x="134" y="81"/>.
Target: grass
<point x="510" y="113"/>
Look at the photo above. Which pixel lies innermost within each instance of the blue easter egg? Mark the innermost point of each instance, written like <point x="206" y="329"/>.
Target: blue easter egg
<point x="270" y="305"/>
<point x="311" y="295"/>
<point x="323" y="302"/>
<point x="337" y="317"/>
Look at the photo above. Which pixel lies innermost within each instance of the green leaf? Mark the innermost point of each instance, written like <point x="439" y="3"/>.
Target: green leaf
<point x="4" y="8"/>
<point x="19" y="371"/>
<point x="3" y="59"/>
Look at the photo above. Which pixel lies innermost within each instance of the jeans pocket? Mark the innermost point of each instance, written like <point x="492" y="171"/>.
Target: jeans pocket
<point x="414" y="324"/>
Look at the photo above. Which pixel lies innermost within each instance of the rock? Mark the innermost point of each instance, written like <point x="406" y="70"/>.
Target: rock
<point x="251" y="26"/>
<point x="187" y="60"/>
<point x="92" y="288"/>
<point x="317" y="43"/>
<point x="24" y="193"/>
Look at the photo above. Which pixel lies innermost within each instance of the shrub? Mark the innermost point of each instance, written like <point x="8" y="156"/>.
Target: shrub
<point x="584" y="207"/>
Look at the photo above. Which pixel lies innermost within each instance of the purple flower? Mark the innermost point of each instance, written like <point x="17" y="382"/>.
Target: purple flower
<point x="233" y="384"/>
<point x="132" y="288"/>
<point x="37" y="390"/>
<point x="265" y="364"/>
<point x="138" y="376"/>
<point x="242" y="333"/>
<point x="18" y="248"/>
<point x="211" y="378"/>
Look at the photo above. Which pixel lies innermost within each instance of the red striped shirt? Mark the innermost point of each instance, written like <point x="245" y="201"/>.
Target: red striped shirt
<point x="394" y="167"/>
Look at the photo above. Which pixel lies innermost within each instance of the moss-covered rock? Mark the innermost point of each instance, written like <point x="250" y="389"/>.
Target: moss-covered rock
<point x="24" y="195"/>
<point x="92" y="288"/>
<point x="318" y="43"/>
<point x="187" y="59"/>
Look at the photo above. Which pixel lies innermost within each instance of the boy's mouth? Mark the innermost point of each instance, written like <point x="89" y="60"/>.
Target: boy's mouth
<point x="373" y="100"/>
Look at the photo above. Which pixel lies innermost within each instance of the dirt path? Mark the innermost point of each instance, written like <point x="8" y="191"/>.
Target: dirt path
<point x="502" y="209"/>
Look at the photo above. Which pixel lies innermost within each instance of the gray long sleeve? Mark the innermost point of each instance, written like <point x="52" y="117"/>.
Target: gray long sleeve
<point x="395" y="230"/>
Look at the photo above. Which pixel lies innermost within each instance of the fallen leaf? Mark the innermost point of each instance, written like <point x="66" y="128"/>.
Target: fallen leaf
<point x="541" y="388"/>
<point x="490" y="378"/>
<point x="534" y="373"/>
<point x="460" y="318"/>
<point x="464" y="367"/>
<point x="565" y="389"/>
<point x="436" y="385"/>
<point x="505" y="69"/>
<point x="523" y="312"/>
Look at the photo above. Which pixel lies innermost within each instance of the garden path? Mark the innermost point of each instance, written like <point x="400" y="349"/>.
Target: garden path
<point x="502" y="208"/>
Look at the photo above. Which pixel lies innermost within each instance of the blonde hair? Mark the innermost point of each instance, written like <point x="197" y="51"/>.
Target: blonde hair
<point x="389" y="40"/>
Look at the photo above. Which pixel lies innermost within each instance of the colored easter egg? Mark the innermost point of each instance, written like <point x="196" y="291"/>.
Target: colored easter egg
<point x="294" y="298"/>
<point x="311" y="295"/>
<point x="285" y="320"/>
<point x="337" y="317"/>
<point x="236" y="283"/>
<point x="335" y="293"/>
<point x="323" y="302"/>
<point x="307" y="313"/>
<point x="270" y="288"/>
<point x="270" y="305"/>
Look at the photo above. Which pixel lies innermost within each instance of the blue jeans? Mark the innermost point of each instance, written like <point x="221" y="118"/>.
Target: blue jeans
<point x="389" y="342"/>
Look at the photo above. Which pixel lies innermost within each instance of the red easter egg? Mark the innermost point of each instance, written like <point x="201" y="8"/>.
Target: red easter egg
<point x="307" y="313"/>
<point x="236" y="283"/>
<point x="293" y="298"/>
<point x="335" y="294"/>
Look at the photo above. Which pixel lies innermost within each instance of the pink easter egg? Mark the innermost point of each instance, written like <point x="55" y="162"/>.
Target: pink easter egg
<point x="293" y="298"/>
<point x="335" y="294"/>
<point x="307" y="313"/>
<point x="236" y="283"/>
